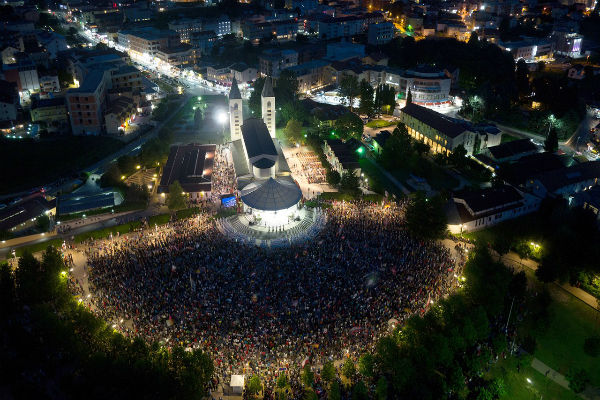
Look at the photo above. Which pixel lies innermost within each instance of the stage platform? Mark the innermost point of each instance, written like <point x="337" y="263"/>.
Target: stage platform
<point x="240" y="228"/>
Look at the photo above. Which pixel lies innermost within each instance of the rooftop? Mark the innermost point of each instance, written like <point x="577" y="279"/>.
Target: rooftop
<point x="191" y="165"/>
<point x="24" y="211"/>
<point x="434" y="119"/>
<point x="489" y="198"/>
<point x="557" y="179"/>
<point x="513" y="148"/>
<point x="257" y="139"/>
<point x="271" y="194"/>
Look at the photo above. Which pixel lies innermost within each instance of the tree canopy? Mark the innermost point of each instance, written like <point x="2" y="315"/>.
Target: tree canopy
<point x="176" y="199"/>
<point x="425" y="218"/>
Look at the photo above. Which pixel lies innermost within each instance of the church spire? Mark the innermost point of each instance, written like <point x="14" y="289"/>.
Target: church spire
<point x="268" y="88"/>
<point x="234" y="93"/>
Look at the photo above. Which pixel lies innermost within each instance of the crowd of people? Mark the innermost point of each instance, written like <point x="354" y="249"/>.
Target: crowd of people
<point x="223" y="174"/>
<point x="270" y="310"/>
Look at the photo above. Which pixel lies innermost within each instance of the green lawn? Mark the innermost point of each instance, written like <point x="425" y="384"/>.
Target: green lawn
<point x="437" y="177"/>
<point x="34" y="248"/>
<point x="49" y="159"/>
<point x="518" y="388"/>
<point x="105" y="233"/>
<point x="377" y="180"/>
<point x="560" y="344"/>
<point x="379" y="123"/>
<point x="508" y="138"/>
<point x="160" y="219"/>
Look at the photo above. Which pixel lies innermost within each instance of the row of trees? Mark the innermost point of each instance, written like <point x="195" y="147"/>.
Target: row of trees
<point x="372" y="101"/>
<point x="54" y="347"/>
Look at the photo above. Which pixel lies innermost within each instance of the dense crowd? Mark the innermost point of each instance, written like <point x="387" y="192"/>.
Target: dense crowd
<point x="223" y="174"/>
<point x="261" y="310"/>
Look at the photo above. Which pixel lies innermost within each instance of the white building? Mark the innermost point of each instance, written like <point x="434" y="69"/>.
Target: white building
<point x="472" y="211"/>
<point x="49" y="84"/>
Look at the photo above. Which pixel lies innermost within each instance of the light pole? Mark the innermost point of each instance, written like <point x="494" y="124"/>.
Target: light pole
<point x="551" y="121"/>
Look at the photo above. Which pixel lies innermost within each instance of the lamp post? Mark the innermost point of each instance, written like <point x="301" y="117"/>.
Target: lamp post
<point x="551" y="121"/>
<point x="221" y="118"/>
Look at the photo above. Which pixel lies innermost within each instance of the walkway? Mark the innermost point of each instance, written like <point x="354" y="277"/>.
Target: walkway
<point x="550" y="373"/>
<point x="513" y="258"/>
<point x="395" y="181"/>
<point x="589" y="393"/>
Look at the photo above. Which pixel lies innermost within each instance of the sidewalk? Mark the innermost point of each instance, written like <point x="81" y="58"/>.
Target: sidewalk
<point x="550" y="373"/>
<point x="514" y="259"/>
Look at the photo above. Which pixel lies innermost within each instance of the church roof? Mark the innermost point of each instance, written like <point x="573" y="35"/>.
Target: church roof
<point x="234" y="93"/>
<point x="257" y="139"/>
<point x="271" y="195"/>
<point x="268" y="88"/>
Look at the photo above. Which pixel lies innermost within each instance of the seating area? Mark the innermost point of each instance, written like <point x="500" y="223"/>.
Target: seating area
<point x="303" y="231"/>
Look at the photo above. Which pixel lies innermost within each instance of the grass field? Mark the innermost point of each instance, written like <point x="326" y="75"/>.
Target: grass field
<point x="377" y="180"/>
<point x="160" y="219"/>
<point x="379" y="123"/>
<point x="48" y="160"/>
<point x="518" y="388"/>
<point x="435" y="175"/>
<point x="105" y="233"/>
<point x="34" y="248"/>
<point x="508" y="138"/>
<point x="560" y="344"/>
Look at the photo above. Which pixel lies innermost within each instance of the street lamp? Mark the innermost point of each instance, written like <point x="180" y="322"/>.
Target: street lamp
<point x="551" y="122"/>
<point x="221" y="117"/>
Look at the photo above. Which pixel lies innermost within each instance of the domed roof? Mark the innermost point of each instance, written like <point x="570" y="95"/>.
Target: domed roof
<point x="271" y="195"/>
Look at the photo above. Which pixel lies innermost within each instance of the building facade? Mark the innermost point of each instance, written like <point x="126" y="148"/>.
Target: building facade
<point x="442" y="134"/>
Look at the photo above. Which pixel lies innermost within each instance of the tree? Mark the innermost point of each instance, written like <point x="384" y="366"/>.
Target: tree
<point x="7" y="289"/>
<point x="349" y="369"/>
<point x="349" y="89"/>
<point x="385" y="99"/>
<point x="308" y="376"/>
<point x="328" y="372"/>
<point x="591" y="346"/>
<point x="551" y="142"/>
<point x="381" y="389"/>
<point x="333" y="177"/>
<point x="522" y="77"/>
<point x="350" y="182"/>
<point x="349" y="126"/>
<point x="367" y="100"/>
<point x="282" y="381"/>
<point x="254" y="385"/>
<point x="254" y="103"/>
<point x="286" y="89"/>
<point x="365" y="365"/>
<point x="334" y="391"/>
<point x="473" y="39"/>
<point x="458" y="157"/>
<point x="425" y="218"/>
<point x="176" y="199"/>
<point x="578" y="379"/>
<point x="359" y="391"/>
<point x="398" y="149"/>
<point x="421" y="148"/>
<point x="42" y="223"/>
<point x="293" y="131"/>
<point x="409" y="97"/>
